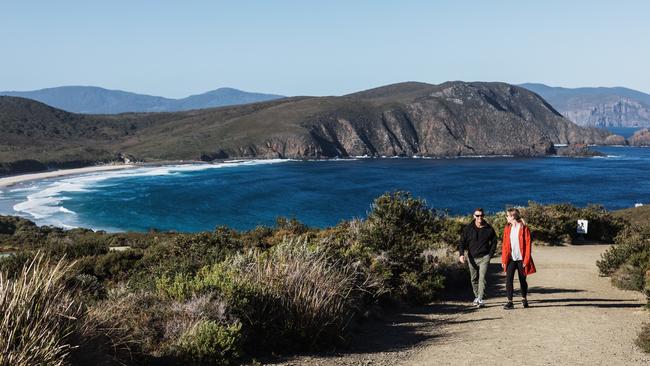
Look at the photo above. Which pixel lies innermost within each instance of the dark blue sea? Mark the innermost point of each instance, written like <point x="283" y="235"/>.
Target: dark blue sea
<point x="243" y="195"/>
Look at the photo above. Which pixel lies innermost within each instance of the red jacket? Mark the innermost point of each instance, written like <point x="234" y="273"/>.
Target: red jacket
<point x="524" y="247"/>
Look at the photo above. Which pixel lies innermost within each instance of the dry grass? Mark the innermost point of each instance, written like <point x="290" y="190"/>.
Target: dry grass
<point x="38" y="315"/>
<point x="317" y="296"/>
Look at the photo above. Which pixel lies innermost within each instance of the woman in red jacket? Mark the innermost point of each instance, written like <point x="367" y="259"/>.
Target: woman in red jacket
<point x="515" y="255"/>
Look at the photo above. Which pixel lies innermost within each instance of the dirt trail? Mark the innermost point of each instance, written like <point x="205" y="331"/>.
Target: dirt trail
<point x="575" y="318"/>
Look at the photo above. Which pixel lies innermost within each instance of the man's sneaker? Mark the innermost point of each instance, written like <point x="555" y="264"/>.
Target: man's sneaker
<point x="508" y="306"/>
<point x="524" y="303"/>
<point x="475" y="302"/>
<point x="480" y="303"/>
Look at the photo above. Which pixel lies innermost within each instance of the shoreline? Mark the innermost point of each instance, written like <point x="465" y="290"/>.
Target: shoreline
<point x="11" y="180"/>
<point x="16" y="179"/>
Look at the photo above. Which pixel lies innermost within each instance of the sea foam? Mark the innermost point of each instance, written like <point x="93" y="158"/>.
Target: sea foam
<point x="45" y="205"/>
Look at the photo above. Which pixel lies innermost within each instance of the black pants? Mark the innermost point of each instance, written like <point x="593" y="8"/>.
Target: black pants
<point x="510" y="276"/>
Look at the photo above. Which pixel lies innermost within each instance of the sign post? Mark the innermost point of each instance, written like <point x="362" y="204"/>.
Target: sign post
<point x="582" y="228"/>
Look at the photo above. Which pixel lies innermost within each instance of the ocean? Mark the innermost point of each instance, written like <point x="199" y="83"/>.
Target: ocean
<point x="243" y="195"/>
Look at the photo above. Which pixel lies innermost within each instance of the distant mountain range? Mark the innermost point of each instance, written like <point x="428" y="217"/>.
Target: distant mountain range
<point x="95" y="100"/>
<point x="598" y="107"/>
<point x="408" y="119"/>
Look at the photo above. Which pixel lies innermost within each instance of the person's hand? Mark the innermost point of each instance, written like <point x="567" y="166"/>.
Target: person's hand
<point x="461" y="259"/>
<point x="503" y="266"/>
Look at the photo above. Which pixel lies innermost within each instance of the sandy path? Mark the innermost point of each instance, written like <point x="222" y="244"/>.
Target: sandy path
<point x="575" y="318"/>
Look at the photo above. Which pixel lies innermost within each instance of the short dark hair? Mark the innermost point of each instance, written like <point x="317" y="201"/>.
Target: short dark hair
<point x="479" y="209"/>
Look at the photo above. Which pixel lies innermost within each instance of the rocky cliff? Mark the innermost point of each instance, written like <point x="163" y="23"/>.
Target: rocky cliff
<point x="599" y="107"/>
<point x="408" y="119"/>
<point x="640" y="138"/>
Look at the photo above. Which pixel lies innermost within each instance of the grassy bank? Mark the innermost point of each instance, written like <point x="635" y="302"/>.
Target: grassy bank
<point x="224" y="296"/>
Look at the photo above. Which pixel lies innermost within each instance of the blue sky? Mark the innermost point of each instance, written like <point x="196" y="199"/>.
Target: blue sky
<point x="175" y="49"/>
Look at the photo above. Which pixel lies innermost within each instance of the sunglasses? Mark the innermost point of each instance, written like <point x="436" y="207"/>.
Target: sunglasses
<point x="479" y="215"/>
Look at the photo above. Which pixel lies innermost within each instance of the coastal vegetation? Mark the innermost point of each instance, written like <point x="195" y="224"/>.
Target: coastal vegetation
<point x="225" y="296"/>
<point x="628" y="261"/>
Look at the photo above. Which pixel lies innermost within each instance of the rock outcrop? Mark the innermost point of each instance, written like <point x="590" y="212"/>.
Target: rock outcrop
<point x="615" y="140"/>
<point x="640" y="138"/>
<point x="578" y="151"/>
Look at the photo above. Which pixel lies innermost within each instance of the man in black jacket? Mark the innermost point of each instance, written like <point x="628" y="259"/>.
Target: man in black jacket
<point x="480" y="240"/>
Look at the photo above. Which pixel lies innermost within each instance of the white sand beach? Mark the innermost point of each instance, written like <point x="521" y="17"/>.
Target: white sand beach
<point x="11" y="180"/>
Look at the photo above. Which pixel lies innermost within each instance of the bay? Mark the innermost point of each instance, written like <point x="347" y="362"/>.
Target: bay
<point x="322" y="193"/>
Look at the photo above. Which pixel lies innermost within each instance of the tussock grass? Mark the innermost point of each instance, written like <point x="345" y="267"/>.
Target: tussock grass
<point x="38" y="314"/>
<point x="318" y="291"/>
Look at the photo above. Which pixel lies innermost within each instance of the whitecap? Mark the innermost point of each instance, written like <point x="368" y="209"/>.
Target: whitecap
<point x="65" y="210"/>
<point x="45" y="203"/>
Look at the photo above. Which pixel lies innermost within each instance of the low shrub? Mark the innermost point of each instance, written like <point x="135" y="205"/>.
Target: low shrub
<point x="398" y="230"/>
<point x="632" y="247"/>
<point x="210" y="343"/>
<point x="629" y="277"/>
<point x="291" y="296"/>
<point x="113" y="266"/>
<point x="556" y="224"/>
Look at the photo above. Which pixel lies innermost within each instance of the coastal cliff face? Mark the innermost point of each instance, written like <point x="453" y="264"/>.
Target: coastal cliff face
<point x="619" y="112"/>
<point x="640" y="138"/>
<point x="408" y="119"/>
<point x="598" y="107"/>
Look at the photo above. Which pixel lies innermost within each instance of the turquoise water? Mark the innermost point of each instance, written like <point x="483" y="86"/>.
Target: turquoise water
<point x="322" y="193"/>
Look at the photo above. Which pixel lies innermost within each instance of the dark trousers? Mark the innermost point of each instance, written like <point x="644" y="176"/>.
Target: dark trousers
<point x="510" y="276"/>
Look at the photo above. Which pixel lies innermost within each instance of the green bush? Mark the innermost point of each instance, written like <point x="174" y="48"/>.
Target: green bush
<point x="211" y="343"/>
<point x="556" y="224"/>
<point x="113" y="266"/>
<point x="401" y="228"/>
<point x="185" y="253"/>
<point x="630" y="255"/>
<point x="12" y="264"/>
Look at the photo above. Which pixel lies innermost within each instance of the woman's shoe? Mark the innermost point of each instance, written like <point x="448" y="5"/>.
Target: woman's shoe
<point x="524" y="303"/>
<point x="509" y="306"/>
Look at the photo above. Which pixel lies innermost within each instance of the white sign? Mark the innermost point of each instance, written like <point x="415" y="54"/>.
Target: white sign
<point x="582" y="226"/>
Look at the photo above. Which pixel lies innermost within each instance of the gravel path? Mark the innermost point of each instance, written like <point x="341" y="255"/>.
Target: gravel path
<point x="576" y="318"/>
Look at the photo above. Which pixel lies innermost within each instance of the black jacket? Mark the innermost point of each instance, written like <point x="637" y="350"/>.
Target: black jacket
<point x="478" y="241"/>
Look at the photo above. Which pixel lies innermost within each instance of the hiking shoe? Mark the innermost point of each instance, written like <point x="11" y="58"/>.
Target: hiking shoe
<point x="509" y="306"/>
<point x="475" y="302"/>
<point x="524" y="303"/>
<point x="480" y="303"/>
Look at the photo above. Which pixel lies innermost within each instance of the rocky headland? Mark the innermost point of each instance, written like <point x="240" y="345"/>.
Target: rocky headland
<point x="407" y="119"/>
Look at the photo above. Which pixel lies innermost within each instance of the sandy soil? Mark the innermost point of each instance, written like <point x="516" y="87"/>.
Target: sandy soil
<point x="8" y="181"/>
<point x="575" y="318"/>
